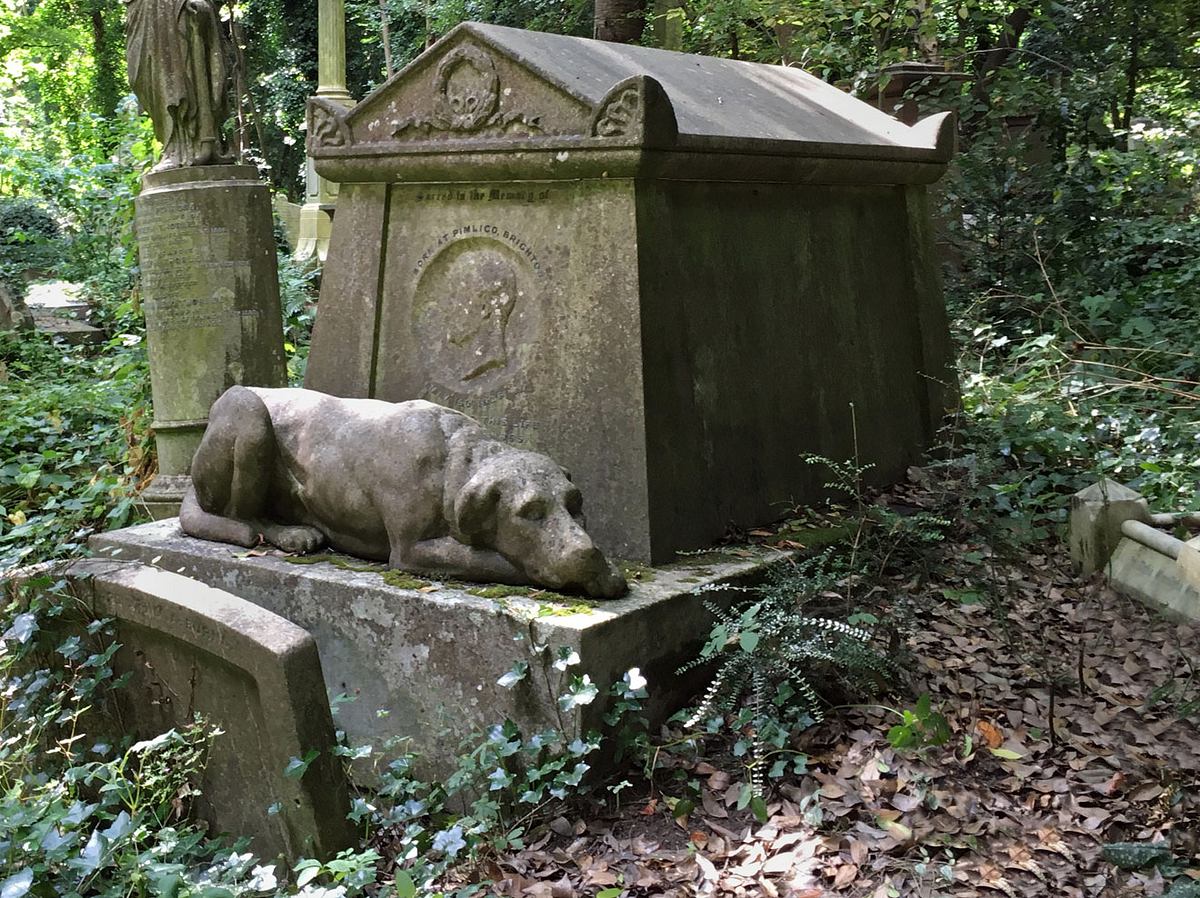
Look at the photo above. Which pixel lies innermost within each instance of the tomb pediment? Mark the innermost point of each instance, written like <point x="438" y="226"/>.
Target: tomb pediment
<point x="487" y="88"/>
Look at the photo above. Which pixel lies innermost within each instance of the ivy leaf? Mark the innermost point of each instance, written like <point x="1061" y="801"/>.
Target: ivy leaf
<point x="18" y="884"/>
<point x="22" y="630"/>
<point x="297" y="767"/>
<point x="748" y="640"/>
<point x="519" y="671"/>
<point x="758" y="807"/>
<point x="581" y="692"/>
<point x="567" y="657"/>
<point x="405" y="887"/>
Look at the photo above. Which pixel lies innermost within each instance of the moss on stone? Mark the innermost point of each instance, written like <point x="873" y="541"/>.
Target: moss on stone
<point x="498" y="591"/>
<point x="637" y="572"/>
<point x="550" y="609"/>
<point x="343" y="562"/>
<point x="403" y="580"/>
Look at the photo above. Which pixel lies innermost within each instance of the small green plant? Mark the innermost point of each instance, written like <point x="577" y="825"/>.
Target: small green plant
<point x="920" y="727"/>
<point x="770" y="651"/>
<point x="1158" y="856"/>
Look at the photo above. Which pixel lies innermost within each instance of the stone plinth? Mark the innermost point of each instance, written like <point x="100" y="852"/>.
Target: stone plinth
<point x="430" y="654"/>
<point x="673" y="274"/>
<point x="210" y="290"/>
<point x="191" y="649"/>
<point x="1097" y="513"/>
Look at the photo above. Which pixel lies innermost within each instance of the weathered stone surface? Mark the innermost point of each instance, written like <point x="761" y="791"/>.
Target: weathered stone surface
<point x="211" y="294"/>
<point x="537" y="93"/>
<point x="14" y="314"/>
<point x="712" y="267"/>
<point x="430" y="653"/>
<point x="1156" y="579"/>
<point x="414" y="484"/>
<point x="1097" y="513"/>
<point x="163" y="496"/>
<point x="192" y="649"/>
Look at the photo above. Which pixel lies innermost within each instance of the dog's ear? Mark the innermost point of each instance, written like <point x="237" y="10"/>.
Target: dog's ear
<point x="475" y="509"/>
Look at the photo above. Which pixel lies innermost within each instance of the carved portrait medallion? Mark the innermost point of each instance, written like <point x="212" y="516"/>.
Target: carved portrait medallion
<point x="475" y="315"/>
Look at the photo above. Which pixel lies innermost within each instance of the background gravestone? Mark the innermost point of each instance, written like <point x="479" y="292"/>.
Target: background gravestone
<point x="192" y="649"/>
<point x="210" y="289"/>
<point x="674" y="274"/>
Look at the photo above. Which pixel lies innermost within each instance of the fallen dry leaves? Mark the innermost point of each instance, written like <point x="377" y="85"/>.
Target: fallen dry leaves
<point x="1054" y="753"/>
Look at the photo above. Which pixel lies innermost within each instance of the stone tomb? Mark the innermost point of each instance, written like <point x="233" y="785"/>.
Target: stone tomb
<point x="674" y="274"/>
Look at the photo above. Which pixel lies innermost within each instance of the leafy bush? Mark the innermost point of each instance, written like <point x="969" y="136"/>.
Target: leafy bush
<point x="73" y="444"/>
<point x="771" y="651"/>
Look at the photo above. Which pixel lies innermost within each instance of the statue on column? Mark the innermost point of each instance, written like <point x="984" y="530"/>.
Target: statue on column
<point x="179" y="60"/>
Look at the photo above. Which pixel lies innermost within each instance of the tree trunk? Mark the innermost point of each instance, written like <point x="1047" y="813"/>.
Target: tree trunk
<point x="386" y="37"/>
<point x="1132" y="72"/>
<point x="620" y="21"/>
<point x="107" y="88"/>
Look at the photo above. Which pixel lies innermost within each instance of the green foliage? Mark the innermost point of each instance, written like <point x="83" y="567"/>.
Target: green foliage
<point x="772" y="651"/>
<point x="80" y="816"/>
<point x="73" y="444"/>
<point x="920" y="727"/>
<point x="298" y="299"/>
<point x="503" y="782"/>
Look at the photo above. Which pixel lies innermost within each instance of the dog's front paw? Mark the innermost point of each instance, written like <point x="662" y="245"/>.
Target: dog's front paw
<point x="299" y="539"/>
<point x="608" y="584"/>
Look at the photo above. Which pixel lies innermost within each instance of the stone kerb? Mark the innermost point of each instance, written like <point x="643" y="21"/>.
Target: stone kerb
<point x="193" y="649"/>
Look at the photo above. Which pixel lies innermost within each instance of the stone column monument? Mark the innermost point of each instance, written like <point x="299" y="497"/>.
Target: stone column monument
<point x="316" y="215"/>
<point x="210" y="287"/>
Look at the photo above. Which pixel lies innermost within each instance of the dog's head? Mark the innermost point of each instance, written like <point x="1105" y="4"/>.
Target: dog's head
<point x="524" y="506"/>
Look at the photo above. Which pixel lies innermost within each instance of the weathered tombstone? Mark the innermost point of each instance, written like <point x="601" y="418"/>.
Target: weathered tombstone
<point x="210" y="289"/>
<point x="1097" y="513"/>
<point x="58" y="310"/>
<point x="674" y="274"/>
<point x="14" y="314"/>
<point x="192" y="649"/>
<point x="206" y="242"/>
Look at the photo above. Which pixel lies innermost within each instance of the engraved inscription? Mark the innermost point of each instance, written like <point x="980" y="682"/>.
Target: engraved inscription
<point x="494" y="413"/>
<point x="183" y="268"/>
<point x="466" y="102"/>
<point x="474" y="310"/>
<point x="620" y="115"/>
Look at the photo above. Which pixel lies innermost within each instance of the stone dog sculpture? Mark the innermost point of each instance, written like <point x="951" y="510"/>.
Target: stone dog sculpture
<point x="415" y="484"/>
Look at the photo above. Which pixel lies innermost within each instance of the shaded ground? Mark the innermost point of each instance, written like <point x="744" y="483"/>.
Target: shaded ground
<point x="1064" y="701"/>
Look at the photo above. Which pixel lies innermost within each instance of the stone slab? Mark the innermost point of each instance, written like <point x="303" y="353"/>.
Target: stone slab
<point x="430" y="654"/>
<point x="191" y="649"/>
<point x="1154" y="579"/>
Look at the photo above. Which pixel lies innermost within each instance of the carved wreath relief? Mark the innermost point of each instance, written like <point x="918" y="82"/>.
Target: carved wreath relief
<point x="474" y="315"/>
<point x="466" y="101"/>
